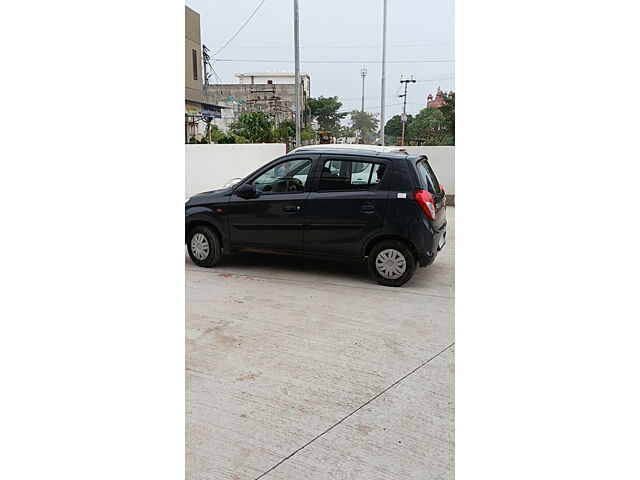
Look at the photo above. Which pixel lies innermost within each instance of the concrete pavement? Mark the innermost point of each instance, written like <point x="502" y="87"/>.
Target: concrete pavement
<point x="307" y="369"/>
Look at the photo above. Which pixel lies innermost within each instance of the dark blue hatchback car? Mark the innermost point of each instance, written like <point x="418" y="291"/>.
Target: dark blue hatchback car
<point x="376" y="204"/>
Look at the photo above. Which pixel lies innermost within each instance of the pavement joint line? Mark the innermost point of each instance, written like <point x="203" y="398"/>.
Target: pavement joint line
<point x="354" y="411"/>
<point x="201" y="270"/>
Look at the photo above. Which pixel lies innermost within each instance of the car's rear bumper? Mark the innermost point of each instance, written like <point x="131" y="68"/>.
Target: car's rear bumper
<point x="429" y="241"/>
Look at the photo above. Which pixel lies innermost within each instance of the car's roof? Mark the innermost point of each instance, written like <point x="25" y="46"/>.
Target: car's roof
<point x="353" y="149"/>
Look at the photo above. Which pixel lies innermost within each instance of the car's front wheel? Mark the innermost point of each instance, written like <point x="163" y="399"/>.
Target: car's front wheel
<point x="203" y="246"/>
<point x="391" y="263"/>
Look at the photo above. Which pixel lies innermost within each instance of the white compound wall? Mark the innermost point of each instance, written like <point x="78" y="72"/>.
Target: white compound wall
<point x="208" y="167"/>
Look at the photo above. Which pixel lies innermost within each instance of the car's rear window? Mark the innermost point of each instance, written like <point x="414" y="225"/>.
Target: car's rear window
<point x="428" y="177"/>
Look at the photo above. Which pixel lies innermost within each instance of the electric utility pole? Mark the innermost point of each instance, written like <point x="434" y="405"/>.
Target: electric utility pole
<point x="384" y="64"/>
<point x="403" y="118"/>
<point x="296" y="41"/>
<point x="205" y="61"/>
<point x="205" y="89"/>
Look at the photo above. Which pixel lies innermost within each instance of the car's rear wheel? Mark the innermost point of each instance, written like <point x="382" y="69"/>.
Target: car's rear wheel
<point x="203" y="246"/>
<point x="391" y="263"/>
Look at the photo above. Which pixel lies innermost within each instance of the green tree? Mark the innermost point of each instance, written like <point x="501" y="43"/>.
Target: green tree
<point x="307" y="134"/>
<point x="430" y="124"/>
<point x="227" y="139"/>
<point x="211" y="134"/>
<point x="449" y="111"/>
<point x="231" y="138"/>
<point x="325" y="111"/>
<point x="285" y="131"/>
<point x="391" y="140"/>
<point x="346" y="132"/>
<point x="393" y="128"/>
<point x="257" y="127"/>
<point x="364" y="122"/>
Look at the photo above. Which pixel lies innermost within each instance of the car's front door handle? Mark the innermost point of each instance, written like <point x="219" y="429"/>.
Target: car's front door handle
<point x="290" y="208"/>
<point x="367" y="209"/>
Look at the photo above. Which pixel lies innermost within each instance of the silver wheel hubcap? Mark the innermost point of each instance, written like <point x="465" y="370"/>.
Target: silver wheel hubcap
<point x="200" y="246"/>
<point x="391" y="264"/>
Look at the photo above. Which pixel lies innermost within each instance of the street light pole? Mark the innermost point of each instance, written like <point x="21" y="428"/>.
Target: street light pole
<point x="363" y="72"/>
<point x="296" y="41"/>
<point x="359" y="137"/>
<point x="384" y="64"/>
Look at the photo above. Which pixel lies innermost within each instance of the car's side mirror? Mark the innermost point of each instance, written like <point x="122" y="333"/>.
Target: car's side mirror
<point x="232" y="182"/>
<point x="246" y="191"/>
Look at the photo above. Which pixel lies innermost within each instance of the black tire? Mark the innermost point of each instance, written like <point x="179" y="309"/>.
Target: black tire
<point x="402" y="251"/>
<point x="204" y="257"/>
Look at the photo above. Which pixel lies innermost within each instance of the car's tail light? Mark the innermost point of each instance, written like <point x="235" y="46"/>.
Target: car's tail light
<point x="426" y="203"/>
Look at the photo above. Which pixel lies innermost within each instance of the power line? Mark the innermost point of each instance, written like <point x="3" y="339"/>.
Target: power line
<point x="447" y="76"/>
<point x="345" y="46"/>
<point x="329" y="61"/>
<point x="357" y="98"/>
<point x="397" y="92"/>
<point x="371" y="108"/>
<point x="347" y="100"/>
<point x="243" y="25"/>
<point x="220" y="84"/>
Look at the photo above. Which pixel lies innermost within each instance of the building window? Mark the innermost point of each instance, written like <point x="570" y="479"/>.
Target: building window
<point x="194" y="58"/>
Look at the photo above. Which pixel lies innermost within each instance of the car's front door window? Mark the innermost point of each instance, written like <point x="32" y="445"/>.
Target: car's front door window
<point x="290" y="176"/>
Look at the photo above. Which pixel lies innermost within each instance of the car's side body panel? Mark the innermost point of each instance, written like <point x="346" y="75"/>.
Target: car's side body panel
<point x="269" y="221"/>
<point x="208" y="214"/>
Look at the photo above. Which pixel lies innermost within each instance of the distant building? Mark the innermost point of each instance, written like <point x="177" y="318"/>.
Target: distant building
<point x="193" y="57"/>
<point x="440" y="100"/>
<point x="197" y="110"/>
<point x="271" y="92"/>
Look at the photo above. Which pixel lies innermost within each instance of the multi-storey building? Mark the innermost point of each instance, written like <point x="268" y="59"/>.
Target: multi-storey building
<point x="270" y="92"/>
<point x="197" y="110"/>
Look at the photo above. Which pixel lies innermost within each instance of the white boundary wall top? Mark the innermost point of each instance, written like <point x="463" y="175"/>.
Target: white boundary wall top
<point x="208" y="167"/>
<point x="443" y="162"/>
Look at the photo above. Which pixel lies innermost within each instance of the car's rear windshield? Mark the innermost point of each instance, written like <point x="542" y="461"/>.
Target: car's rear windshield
<point x="427" y="177"/>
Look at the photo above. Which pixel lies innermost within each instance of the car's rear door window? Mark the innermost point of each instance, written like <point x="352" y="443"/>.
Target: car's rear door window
<point x="350" y="175"/>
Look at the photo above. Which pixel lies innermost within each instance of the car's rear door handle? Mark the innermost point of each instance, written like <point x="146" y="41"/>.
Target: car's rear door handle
<point x="367" y="209"/>
<point x="290" y="208"/>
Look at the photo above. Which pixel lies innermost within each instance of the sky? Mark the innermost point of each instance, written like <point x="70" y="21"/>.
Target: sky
<point x="338" y="31"/>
